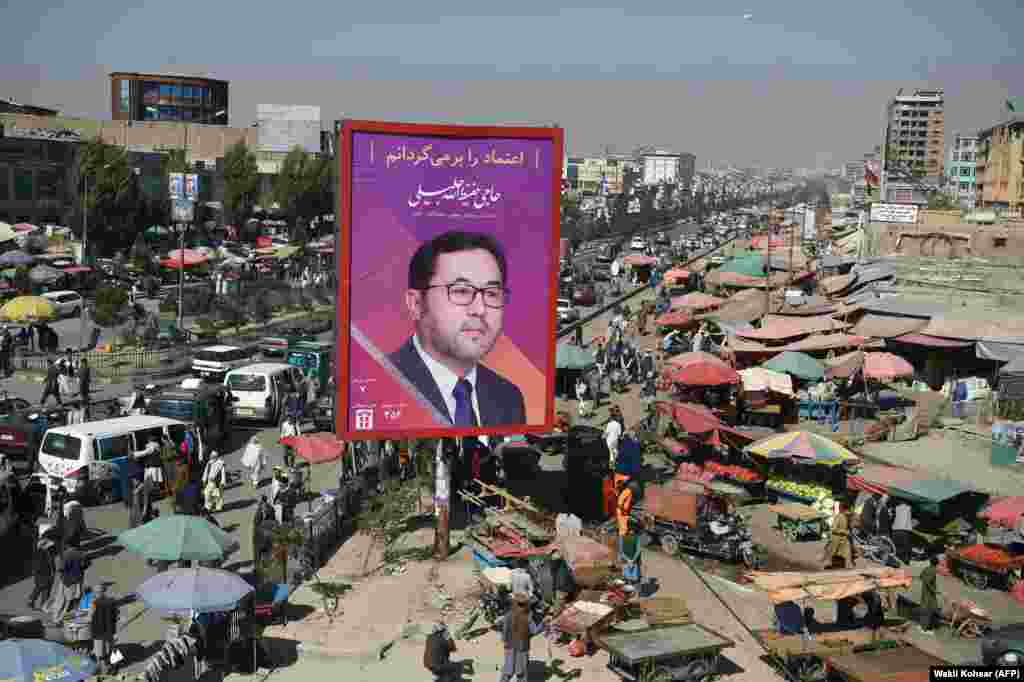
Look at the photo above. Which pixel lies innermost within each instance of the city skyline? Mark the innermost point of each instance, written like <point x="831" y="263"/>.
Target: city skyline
<point x="797" y="86"/>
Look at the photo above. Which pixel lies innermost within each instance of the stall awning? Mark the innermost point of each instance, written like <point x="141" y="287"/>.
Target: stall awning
<point x="775" y="327"/>
<point x="931" y="341"/>
<point x="1006" y="329"/>
<point x="878" y="478"/>
<point x="761" y="380"/>
<point x="830" y="341"/>
<point x="928" y="490"/>
<point x="887" y="326"/>
<point x="827" y="585"/>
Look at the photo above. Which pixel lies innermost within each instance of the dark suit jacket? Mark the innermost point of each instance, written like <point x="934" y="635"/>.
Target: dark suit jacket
<point x="500" y="401"/>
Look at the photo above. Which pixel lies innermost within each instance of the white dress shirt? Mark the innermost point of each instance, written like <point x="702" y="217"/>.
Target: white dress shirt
<point x="446" y="380"/>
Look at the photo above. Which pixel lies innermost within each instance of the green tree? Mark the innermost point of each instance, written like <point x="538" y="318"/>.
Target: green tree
<point x="241" y="181"/>
<point x="113" y="198"/>
<point x="941" y="202"/>
<point x="302" y="188"/>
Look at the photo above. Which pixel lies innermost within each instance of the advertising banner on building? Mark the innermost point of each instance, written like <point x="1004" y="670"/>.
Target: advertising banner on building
<point x="448" y="267"/>
<point x="893" y="213"/>
<point x="176" y="185"/>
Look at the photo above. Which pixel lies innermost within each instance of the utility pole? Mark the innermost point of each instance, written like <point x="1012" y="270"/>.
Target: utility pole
<point x="442" y="500"/>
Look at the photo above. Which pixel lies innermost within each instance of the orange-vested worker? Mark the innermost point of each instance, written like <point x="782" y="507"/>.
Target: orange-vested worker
<point x="623" y="507"/>
<point x="609" y="495"/>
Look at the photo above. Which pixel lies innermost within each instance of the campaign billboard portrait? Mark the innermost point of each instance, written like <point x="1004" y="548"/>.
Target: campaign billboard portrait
<point x="448" y="265"/>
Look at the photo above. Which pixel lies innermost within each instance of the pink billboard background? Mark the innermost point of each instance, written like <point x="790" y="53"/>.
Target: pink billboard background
<point x="407" y="189"/>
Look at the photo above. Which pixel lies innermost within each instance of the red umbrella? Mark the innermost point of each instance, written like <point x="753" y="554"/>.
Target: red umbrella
<point x="674" y="318"/>
<point x="700" y="369"/>
<point x="699" y="420"/>
<point x="316" y="447"/>
<point x="183" y="258"/>
<point x="886" y="366"/>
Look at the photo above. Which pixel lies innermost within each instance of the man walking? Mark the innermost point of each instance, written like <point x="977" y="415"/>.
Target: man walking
<point x="51" y="385"/>
<point x="612" y="433"/>
<point x="902" y="524"/>
<point x="930" y="594"/>
<point x="85" y="382"/>
<point x="517" y="629"/>
<point x="103" y="612"/>
<point x="43" y="571"/>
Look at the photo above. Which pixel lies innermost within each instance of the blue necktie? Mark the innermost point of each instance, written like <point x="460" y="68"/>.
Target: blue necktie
<point x="463" y="393"/>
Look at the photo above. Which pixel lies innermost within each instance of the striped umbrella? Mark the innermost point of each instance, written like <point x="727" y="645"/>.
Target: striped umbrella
<point x="802" y="445"/>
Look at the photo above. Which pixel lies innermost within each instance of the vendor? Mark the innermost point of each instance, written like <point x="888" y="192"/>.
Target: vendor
<point x="623" y="506"/>
<point x="562" y="580"/>
<point x="839" y="550"/>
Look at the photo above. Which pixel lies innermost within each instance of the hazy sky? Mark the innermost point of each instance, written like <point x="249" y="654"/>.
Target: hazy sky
<point x="801" y="83"/>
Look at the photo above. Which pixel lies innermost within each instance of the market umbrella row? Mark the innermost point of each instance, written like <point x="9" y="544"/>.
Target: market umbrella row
<point x="877" y="366"/>
<point x="700" y="369"/>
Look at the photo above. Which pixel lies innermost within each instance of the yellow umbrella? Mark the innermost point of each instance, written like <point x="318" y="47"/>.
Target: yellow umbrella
<point x="27" y="309"/>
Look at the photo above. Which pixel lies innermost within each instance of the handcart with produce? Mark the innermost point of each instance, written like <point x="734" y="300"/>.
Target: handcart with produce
<point x="800" y="643"/>
<point x="798" y="522"/>
<point x="982" y="565"/>
<point x="660" y="642"/>
<point x="693" y="517"/>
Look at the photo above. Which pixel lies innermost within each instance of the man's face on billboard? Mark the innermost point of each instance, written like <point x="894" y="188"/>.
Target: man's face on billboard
<point x="459" y="336"/>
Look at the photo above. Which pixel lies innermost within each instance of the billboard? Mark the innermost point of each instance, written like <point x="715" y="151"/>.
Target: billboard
<point x="283" y="126"/>
<point x="448" y="266"/>
<point x="893" y="213"/>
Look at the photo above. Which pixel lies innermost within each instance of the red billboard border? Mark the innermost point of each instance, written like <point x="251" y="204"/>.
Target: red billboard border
<point x="343" y="245"/>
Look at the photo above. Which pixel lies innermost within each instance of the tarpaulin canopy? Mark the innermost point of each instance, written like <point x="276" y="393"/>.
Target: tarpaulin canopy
<point x="1004" y="511"/>
<point x="886" y="366"/>
<point x="982" y="326"/>
<point x="931" y="341"/>
<point x="316" y="448"/>
<point x="699" y="420"/>
<point x="828" y="585"/>
<point x="820" y="342"/>
<point x="845" y="365"/>
<point x="800" y="365"/>
<point x="752" y="266"/>
<point x="741" y="345"/>
<point x="760" y="380"/>
<point x="697" y="300"/>
<point x="878" y="478"/>
<point x="775" y="327"/>
<point x="997" y="351"/>
<point x="674" y="318"/>
<point x="639" y="259"/>
<point x="886" y="326"/>
<point x="1011" y="380"/>
<point x="737" y="309"/>
<point x="570" y="356"/>
<point x="928" y="490"/>
<point x="837" y="284"/>
<point x="808" y="305"/>
<point x="700" y="369"/>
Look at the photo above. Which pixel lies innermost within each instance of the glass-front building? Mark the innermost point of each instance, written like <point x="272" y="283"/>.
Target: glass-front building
<point x="153" y="97"/>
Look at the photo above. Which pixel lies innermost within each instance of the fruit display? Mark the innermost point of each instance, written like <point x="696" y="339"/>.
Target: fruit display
<point x="822" y="496"/>
<point x="688" y="471"/>
<point x="737" y="473"/>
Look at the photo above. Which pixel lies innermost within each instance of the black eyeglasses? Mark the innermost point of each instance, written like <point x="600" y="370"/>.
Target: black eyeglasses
<point x="461" y="293"/>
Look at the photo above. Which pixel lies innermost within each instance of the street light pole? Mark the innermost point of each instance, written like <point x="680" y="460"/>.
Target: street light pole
<point x="181" y="274"/>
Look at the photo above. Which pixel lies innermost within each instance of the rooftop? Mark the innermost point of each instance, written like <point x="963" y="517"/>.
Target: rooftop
<point x="134" y="74"/>
<point x="9" y="106"/>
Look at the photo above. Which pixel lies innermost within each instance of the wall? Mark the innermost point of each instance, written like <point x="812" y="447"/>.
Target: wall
<point x="982" y="240"/>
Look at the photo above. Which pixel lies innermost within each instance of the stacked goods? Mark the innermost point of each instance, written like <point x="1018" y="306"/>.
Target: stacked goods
<point x="737" y="473"/>
<point x="821" y="495"/>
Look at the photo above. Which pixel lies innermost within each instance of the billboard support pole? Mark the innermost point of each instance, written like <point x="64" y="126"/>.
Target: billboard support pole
<point x="442" y="501"/>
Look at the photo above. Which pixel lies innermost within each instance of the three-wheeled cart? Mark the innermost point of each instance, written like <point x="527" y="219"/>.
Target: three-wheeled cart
<point x="798" y="522"/>
<point x="685" y="653"/>
<point x="905" y="663"/>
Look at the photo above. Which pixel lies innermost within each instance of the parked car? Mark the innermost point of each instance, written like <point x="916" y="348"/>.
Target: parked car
<point x="638" y="244"/>
<point x="566" y="312"/>
<point x="213" y="362"/>
<point x="66" y="303"/>
<point x="586" y="294"/>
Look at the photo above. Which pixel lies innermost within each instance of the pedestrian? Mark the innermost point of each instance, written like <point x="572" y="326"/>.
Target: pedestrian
<point x="930" y="594"/>
<point x="153" y="468"/>
<point x="255" y="460"/>
<point x="641" y="319"/>
<point x="85" y="382"/>
<point x="623" y="507"/>
<point x="581" y="397"/>
<point x="902" y="525"/>
<point x="6" y="348"/>
<point x="437" y="654"/>
<point x="562" y="581"/>
<point x="68" y="592"/>
<point x="517" y="628"/>
<point x="51" y="385"/>
<point x="138" y="503"/>
<point x="288" y="429"/>
<point x="612" y="433"/>
<point x="839" y="552"/>
<point x="214" y="482"/>
<point x="103" y="612"/>
<point x="43" y="572"/>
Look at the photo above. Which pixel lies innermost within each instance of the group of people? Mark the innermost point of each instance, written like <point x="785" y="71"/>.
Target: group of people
<point x="65" y="377"/>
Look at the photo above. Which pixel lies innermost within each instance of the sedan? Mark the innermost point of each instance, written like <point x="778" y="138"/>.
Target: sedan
<point x="566" y="311"/>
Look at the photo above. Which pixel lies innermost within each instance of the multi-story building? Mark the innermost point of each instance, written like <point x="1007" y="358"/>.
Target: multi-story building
<point x="960" y="169"/>
<point x="915" y="133"/>
<point x="37" y="179"/>
<point x="161" y="97"/>
<point x="1000" y="166"/>
<point x="661" y="166"/>
<point x="586" y="174"/>
<point x="853" y="171"/>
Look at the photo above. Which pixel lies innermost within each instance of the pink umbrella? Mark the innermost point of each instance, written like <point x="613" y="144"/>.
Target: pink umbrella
<point x="700" y="369"/>
<point x="24" y="227"/>
<point x="884" y="366"/>
<point x="698" y="300"/>
<point x="183" y="258"/>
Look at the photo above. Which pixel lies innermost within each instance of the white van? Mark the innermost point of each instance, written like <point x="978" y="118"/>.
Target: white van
<point x="213" y="362"/>
<point x="259" y="390"/>
<point x="96" y="460"/>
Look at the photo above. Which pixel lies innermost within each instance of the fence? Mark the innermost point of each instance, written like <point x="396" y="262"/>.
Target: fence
<point x="117" y="364"/>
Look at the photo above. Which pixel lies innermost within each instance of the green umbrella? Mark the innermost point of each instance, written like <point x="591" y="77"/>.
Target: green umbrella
<point x="568" y="356"/>
<point x="800" y="365"/>
<point x="178" y="537"/>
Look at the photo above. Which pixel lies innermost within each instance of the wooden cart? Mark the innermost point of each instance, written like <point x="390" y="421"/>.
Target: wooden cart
<point x="905" y="663"/>
<point x="804" y="657"/>
<point x="687" y="653"/>
<point x="995" y="566"/>
<point x="798" y="522"/>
